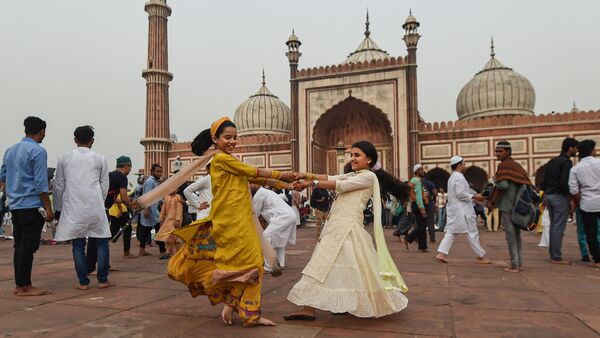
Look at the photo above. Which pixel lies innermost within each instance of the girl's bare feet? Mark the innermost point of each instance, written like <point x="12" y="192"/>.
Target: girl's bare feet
<point x="265" y="322"/>
<point x="226" y="314"/>
<point x="513" y="270"/>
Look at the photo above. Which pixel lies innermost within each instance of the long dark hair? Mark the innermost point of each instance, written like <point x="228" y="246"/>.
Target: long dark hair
<point x="203" y="141"/>
<point x="388" y="184"/>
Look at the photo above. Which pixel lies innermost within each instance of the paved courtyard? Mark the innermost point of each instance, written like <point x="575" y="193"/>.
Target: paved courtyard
<point x="459" y="299"/>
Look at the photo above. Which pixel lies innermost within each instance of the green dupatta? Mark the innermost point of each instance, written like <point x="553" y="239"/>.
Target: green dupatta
<point x="392" y="280"/>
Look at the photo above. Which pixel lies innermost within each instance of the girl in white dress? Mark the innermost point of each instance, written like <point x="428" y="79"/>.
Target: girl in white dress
<point x="345" y="273"/>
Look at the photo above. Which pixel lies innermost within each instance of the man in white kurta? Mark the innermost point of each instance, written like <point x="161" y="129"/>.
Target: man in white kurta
<point x="460" y="214"/>
<point x="199" y="195"/>
<point x="281" y="220"/>
<point x="80" y="187"/>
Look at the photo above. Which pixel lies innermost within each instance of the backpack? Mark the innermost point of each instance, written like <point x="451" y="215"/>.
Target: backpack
<point x="526" y="212"/>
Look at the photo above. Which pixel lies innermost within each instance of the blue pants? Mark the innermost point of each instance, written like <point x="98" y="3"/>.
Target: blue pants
<point x="80" y="259"/>
<point x="441" y="221"/>
<point x="558" y="207"/>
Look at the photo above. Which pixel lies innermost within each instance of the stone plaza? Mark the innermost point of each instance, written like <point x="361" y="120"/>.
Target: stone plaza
<point x="460" y="299"/>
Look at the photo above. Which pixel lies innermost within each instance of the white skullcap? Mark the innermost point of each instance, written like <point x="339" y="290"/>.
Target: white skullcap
<point x="417" y="167"/>
<point x="455" y="160"/>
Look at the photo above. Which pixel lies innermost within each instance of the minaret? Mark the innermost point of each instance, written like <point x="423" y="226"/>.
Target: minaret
<point x="293" y="56"/>
<point x="411" y="38"/>
<point x="157" y="140"/>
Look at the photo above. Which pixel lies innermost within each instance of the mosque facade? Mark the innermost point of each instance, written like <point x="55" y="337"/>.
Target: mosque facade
<point x="370" y="95"/>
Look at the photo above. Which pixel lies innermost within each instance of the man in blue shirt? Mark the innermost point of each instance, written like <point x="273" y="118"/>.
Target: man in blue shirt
<point x="150" y="216"/>
<point x="24" y="172"/>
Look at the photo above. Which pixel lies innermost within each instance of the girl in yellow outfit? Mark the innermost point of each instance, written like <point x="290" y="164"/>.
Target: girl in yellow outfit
<point x="222" y="256"/>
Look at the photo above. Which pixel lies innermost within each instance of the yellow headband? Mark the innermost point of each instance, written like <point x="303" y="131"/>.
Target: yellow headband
<point x="215" y="126"/>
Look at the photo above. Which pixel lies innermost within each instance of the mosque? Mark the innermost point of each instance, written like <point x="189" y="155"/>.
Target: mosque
<point x="369" y="95"/>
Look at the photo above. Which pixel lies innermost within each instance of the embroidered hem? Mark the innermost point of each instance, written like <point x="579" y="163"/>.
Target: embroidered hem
<point x="247" y="276"/>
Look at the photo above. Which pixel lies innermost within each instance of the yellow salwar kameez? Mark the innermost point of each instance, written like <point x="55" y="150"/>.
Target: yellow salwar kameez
<point x="222" y="256"/>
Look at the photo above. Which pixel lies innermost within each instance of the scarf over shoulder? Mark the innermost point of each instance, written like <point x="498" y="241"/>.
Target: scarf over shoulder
<point x="512" y="171"/>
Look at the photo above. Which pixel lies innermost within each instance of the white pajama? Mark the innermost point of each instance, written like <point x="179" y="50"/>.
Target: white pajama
<point x="281" y="219"/>
<point x="472" y="236"/>
<point x="461" y="216"/>
<point x="280" y="253"/>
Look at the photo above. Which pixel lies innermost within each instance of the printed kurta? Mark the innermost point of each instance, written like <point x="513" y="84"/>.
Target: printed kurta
<point x="80" y="187"/>
<point x="222" y="257"/>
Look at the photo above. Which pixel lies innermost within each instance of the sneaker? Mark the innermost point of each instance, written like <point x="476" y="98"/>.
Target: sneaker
<point x="164" y="256"/>
<point x="585" y="258"/>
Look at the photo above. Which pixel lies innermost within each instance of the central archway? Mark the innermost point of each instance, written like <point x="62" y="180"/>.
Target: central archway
<point x="349" y="121"/>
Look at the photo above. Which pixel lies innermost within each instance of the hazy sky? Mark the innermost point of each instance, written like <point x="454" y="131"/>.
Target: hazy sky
<point x="75" y="62"/>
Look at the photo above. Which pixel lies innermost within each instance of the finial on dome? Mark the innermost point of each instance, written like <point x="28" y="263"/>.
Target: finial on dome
<point x="574" y="109"/>
<point x="367" y="32"/>
<point x="263" y="77"/>
<point x="492" y="54"/>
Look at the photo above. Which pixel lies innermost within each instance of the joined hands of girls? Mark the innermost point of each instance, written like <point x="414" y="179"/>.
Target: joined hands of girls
<point x="296" y="180"/>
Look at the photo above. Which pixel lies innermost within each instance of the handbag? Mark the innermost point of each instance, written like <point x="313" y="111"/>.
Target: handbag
<point x="405" y="222"/>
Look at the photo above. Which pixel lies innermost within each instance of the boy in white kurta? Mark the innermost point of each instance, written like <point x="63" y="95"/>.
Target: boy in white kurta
<point x="460" y="214"/>
<point x="80" y="187"/>
<point x="281" y="219"/>
<point x="199" y="195"/>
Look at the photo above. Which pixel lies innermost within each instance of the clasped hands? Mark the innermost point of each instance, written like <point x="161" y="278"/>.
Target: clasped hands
<point x="297" y="180"/>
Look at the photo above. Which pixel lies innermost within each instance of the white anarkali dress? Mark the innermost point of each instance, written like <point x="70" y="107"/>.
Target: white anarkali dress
<point x="345" y="272"/>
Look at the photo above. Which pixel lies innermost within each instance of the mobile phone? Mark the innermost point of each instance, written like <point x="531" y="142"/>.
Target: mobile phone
<point x="42" y="212"/>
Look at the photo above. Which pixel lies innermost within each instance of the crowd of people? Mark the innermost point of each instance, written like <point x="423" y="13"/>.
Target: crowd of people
<point x="568" y="193"/>
<point x="222" y="232"/>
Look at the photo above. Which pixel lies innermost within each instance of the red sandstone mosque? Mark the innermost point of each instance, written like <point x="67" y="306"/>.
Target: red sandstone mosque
<point x="369" y="95"/>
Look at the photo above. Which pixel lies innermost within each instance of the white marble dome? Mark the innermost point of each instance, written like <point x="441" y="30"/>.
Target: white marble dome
<point x="367" y="50"/>
<point x="263" y="113"/>
<point x="496" y="90"/>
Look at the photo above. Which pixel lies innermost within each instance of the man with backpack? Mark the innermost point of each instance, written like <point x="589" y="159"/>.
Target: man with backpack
<point x="510" y="176"/>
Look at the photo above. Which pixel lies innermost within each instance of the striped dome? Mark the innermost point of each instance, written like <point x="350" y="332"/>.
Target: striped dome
<point x="367" y="50"/>
<point x="494" y="91"/>
<point x="263" y="113"/>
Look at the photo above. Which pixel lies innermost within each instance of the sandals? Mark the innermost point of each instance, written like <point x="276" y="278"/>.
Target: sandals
<point x="299" y="316"/>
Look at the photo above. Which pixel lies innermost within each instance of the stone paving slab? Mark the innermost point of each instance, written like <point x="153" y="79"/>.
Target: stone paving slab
<point x="477" y="322"/>
<point x="460" y="299"/>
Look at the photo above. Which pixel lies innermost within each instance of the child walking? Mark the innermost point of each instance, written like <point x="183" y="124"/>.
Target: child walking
<point x="171" y="216"/>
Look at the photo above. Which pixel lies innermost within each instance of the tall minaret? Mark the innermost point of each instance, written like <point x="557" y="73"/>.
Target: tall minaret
<point x="293" y="55"/>
<point x="411" y="38"/>
<point x="157" y="136"/>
